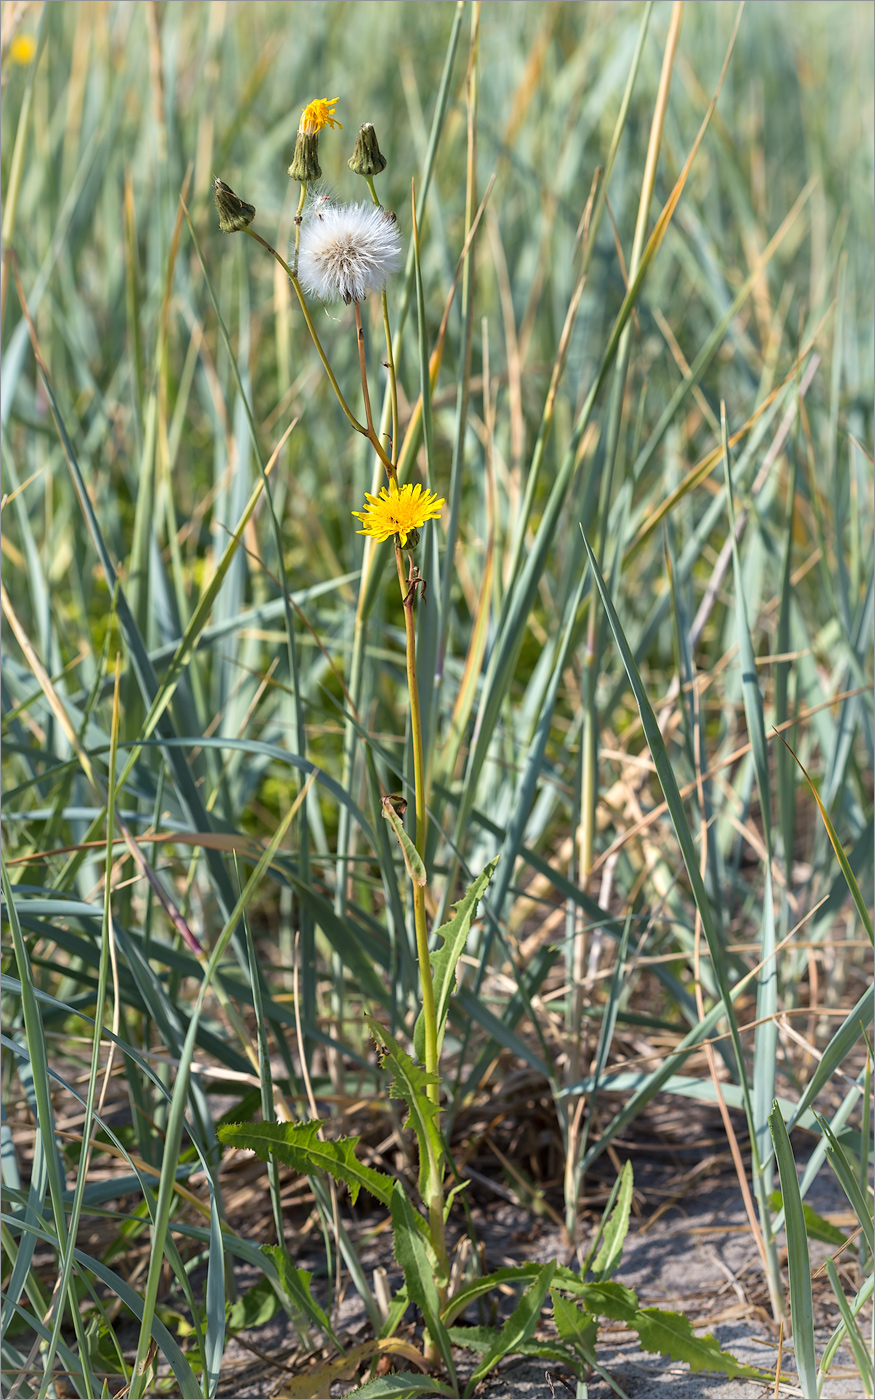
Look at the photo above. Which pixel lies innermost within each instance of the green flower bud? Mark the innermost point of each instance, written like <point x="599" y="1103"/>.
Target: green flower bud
<point x="234" y="212"/>
<point x="305" y="162"/>
<point x="367" y="158"/>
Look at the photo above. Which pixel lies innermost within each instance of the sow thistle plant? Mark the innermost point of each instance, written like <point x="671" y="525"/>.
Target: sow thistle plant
<point x="346" y="252"/>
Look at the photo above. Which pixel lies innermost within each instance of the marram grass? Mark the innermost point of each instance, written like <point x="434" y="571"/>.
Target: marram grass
<point x="326" y="859"/>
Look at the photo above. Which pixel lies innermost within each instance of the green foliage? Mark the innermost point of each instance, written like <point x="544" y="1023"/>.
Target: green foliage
<point x="445" y="958"/>
<point x="671" y="1334"/>
<point x="178" y="480"/>
<point x="519" y="1326"/>
<point x="411" y="1083"/>
<point x="295" y="1285"/>
<point x="299" y="1145"/>
<point x="613" y="1229"/>
<point x="421" y="1272"/>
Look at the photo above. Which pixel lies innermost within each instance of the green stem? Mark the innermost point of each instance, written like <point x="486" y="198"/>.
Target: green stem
<point x="390" y="354"/>
<point x="359" y="427"/>
<point x="435" y="1200"/>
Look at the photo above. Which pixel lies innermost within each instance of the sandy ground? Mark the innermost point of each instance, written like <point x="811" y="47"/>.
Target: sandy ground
<point x="697" y="1257"/>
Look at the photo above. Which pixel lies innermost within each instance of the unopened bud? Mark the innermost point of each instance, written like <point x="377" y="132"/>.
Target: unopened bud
<point x="412" y="539"/>
<point x="367" y="158"/>
<point x="305" y="162"/>
<point x="234" y="212"/>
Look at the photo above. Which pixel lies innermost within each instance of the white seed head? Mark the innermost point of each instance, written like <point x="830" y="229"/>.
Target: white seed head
<point x="348" y="250"/>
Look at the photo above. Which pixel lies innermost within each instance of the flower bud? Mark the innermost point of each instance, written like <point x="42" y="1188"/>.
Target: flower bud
<point x="367" y="158"/>
<point x="234" y="212"/>
<point x="305" y="162"/>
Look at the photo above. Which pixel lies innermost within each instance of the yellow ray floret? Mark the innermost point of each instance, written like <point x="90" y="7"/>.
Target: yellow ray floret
<point x="398" y="511"/>
<point x="318" y="113"/>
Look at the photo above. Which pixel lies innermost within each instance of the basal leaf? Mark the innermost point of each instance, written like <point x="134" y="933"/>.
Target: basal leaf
<point x="254" y="1308"/>
<point x="295" y="1283"/>
<point x="519" y="1326"/>
<point x="482" y="1339"/>
<point x="671" y="1334"/>
<point x="514" y="1273"/>
<point x="418" y="1262"/>
<point x="577" y="1327"/>
<point x="401" y="1386"/>
<point x="817" y="1226"/>
<point x="615" y="1230"/>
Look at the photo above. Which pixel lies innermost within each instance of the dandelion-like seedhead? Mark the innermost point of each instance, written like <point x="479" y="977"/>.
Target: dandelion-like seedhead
<point x="347" y="251"/>
<point x="398" y="511"/>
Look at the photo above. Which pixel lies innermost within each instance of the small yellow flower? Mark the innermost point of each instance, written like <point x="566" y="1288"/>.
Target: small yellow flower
<point x="398" y="512"/>
<point x="318" y="113"/>
<point x="22" y="49"/>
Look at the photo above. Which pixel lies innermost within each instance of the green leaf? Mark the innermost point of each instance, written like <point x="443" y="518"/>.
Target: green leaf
<point x="412" y="858"/>
<point x="481" y="1339"/>
<point x="798" y="1262"/>
<point x="295" y="1283"/>
<point x="616" y="1229"/>
<point x="514" y="1273"/>
<point x="417" y="1260"/>
<point x="519" y="1326"/>
<point x="298" y="1146"/>
<point x="855" y="1336"/>
<point x="818" y="1228"/>
<point x="411" y="1083"/>
<point x="454" y="936"/>
<point x="671" y="1334"/>
<point x="256" y="1307"/>
<point x="577" y="1327"/>
<point x="607" y="1299"/>
<point x="398" y="1387"/>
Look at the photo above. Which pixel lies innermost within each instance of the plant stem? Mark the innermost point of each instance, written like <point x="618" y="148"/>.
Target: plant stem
<point x="435" y="1200"/>
<point x="359" y="427"/>
<point x="390" y="354"/>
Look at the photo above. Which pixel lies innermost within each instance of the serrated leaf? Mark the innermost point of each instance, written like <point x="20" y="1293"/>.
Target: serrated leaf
<point x="298" y="1145"/>
<point x="411" y="1083"/>
<point x="608" y="1299"/>
<point x="418" y="1263"/>
<point x="412" y="858"/>
<point x="577" y="1327"/>
<point x="671" y="1334"/>
<point x="519" y="1326"/>
<point x="295" y="1283"/>
<point x="616" y="1229"/>
<point x="444" y="959"/>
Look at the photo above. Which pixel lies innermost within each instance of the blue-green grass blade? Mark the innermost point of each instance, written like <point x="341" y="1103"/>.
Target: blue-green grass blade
<point x="862" y="1354"/>
<point x="668" y="782"/>
<point x="176" y="1116"/>
<point x="849" y="1183"/>
<point x="798" y="1261"/>
<point x="38" y="1055"/>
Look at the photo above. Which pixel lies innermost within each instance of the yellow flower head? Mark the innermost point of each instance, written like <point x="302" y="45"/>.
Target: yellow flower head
<point x="318" y="113"/>
<point x="22" y="49"/>
<point x="398" y="511"/>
